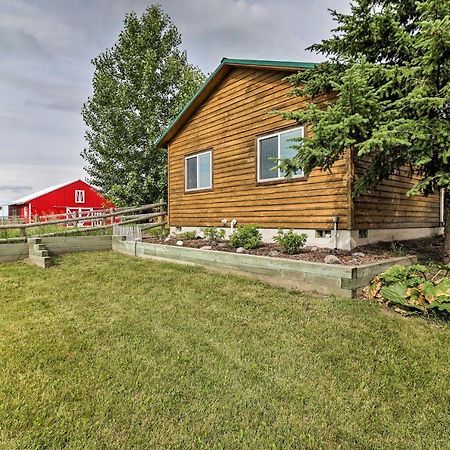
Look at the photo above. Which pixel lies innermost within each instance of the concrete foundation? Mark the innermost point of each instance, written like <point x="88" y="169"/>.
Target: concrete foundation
<point x="344" y="240"/>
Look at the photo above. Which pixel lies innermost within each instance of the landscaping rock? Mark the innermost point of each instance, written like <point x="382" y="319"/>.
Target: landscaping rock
<point x="222" y="244"/>
<point x="358" y="255"/>
<point x="332" y="259"/>
<point x="240" y="250"/>
<point x="314" y="249"/>
<point x="167" y="239"/>
<point x="206" y="247"/>
<point x="274" y="253"/>
<point x="180" y="243"/>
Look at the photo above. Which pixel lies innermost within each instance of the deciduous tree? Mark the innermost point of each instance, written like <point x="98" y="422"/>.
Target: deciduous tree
<point x="139" y="86"/>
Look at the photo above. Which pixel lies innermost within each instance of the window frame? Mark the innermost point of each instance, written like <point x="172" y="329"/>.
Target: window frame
<point x="258" y="156"/>
<point x="77" y="192"/>
<point x="196" y="155"/>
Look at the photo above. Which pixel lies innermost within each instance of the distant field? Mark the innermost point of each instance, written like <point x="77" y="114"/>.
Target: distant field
<point x="103" y="351"/>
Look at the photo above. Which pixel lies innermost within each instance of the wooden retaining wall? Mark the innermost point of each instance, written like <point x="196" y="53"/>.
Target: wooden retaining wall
<point x="327" y="279"/>
<point x="56" y="246"/>
<point x="13" y="252"/>
<point x="61" y="245"/>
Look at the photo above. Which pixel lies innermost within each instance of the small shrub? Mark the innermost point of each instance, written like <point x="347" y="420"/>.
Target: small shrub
<point x="415" y="289"/>
<point x="187" y="235"/>
<point x="159" y="232"/>
<point x="213" y="234"/>
<point x="247" y="236"/>
<point x="398" y="249"/>
<point x="290" y="242"/>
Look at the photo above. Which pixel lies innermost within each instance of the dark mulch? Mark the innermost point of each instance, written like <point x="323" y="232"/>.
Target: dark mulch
<point x="345" y="257"/>
<point x="427" y="250"/>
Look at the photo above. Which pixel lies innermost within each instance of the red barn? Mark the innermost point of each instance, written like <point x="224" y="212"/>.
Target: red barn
<point x="75" y="196"/>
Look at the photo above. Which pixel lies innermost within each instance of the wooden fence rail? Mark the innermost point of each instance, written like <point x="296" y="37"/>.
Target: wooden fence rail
<point x="123" y="216"/>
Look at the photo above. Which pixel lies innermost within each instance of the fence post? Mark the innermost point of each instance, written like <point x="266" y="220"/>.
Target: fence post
<point x="161" y="219"/>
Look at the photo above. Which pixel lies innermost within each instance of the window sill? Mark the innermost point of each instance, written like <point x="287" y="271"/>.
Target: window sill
<point x="198" y="191"/>
<point x="281" y="181"/>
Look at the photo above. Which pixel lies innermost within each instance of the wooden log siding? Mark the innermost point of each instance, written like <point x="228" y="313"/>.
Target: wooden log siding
<point x="229" y="122"/>
<point x="388" y="206"/>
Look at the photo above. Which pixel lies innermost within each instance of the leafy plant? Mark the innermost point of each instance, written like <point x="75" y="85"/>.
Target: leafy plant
<point x="158" y="232"/>
<point x="418" y="288"/>
<point x="213" y="234"/>
<point x="290" y="241"/>
<point x="247" y="236"/>
<point x="398" y="249"/>
<point x="187" y="235"/>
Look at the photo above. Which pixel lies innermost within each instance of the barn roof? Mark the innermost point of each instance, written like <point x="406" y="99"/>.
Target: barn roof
<point x="218" y="75"/>
<point x="42" y="192"/>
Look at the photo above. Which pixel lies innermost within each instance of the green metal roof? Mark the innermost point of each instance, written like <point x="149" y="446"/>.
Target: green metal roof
<point x="269" y="63"/>
<point x="230" y="62"/>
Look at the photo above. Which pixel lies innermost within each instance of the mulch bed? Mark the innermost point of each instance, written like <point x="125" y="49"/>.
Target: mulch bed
<point x="273" y="250"/>
<point x="427" y="250"/>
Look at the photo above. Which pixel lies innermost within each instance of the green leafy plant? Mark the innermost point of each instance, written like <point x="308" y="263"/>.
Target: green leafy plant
<point x="158" y="232"/>
<point x="213" y="234"/>
<point x="290" y="242"/>
<point x="247" y="236"/>
<point x="416" y="289"/>
<point x="398" y="249"/>
<point x="187" y="235"/>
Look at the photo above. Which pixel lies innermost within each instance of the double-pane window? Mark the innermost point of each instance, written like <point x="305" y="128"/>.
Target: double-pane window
<point x="198" y="171"/>
<point x="273" y="149"/>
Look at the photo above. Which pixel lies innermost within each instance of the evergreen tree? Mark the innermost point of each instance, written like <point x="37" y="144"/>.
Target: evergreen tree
<point x="139" y="86"/>
<point x="389" y="64"/>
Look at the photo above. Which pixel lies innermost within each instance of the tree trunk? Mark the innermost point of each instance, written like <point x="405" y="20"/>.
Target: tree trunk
<point x="447" y="226"/>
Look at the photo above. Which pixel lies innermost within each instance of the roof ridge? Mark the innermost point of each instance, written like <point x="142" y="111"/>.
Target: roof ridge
<point x="44" y="191"/>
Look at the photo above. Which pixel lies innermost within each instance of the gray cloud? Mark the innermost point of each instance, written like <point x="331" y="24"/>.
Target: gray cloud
<point x="15" y="188"/>
<point x="46" y="47"/>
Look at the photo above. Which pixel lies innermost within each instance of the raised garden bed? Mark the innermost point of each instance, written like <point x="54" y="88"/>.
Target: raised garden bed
<point x="312" y="254"/>
<point x="338" y="279"/>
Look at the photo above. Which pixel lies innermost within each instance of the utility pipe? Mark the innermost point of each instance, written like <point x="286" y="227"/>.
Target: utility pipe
<point x="335" y="223"/>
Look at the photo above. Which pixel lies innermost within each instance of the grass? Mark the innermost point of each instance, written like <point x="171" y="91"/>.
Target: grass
<point x="55" y="229"/>
<point x="108" y="352"/>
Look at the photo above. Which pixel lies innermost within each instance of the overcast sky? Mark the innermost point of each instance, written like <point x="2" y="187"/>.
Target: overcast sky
<point x="45" y="72"/>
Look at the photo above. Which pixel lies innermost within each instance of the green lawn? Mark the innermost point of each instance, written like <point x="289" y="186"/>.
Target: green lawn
<point x="106" y="351"/>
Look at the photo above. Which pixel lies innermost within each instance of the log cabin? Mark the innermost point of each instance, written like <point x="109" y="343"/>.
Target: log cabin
<point x="222" y="169"/>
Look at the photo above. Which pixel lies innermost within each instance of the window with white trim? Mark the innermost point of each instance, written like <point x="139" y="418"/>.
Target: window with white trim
<point x="272" y="149"/>
<point x="198" y="171"/>
<point x="79" y="196"/>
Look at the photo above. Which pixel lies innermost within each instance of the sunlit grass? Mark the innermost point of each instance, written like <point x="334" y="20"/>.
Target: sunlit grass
<point x="105" y="351"/>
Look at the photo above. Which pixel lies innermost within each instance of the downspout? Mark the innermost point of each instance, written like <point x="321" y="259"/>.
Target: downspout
<point x="335" y="225"/>
<point x="442" y="209"/>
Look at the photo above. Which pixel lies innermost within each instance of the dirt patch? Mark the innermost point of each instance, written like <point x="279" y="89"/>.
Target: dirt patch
<point x="357" y="257"/>
<point x="427" y="250"/>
